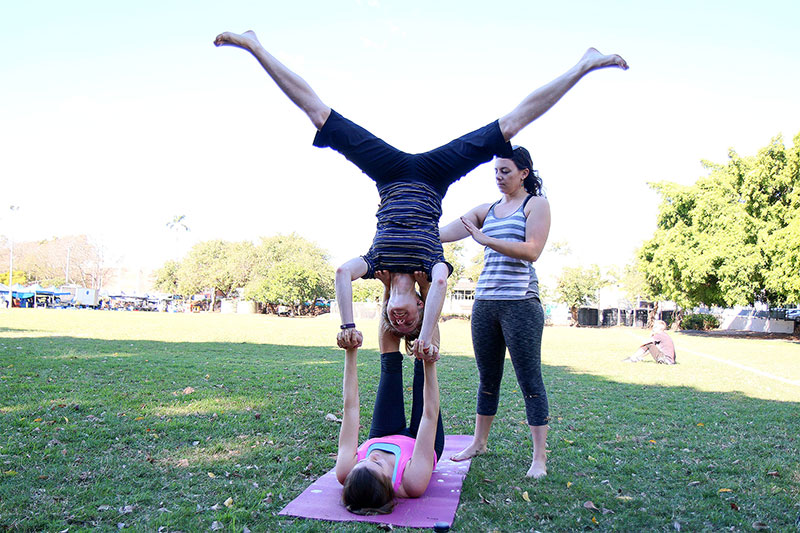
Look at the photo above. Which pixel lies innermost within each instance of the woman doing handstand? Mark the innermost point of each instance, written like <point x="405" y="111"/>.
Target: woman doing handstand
<point x="411" y="188"/>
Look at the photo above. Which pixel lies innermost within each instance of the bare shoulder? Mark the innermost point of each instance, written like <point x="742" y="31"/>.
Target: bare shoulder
<point x="536" y="203"/>
<point x="479" y="212"/>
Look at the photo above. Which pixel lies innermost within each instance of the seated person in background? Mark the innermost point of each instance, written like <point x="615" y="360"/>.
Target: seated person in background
<point x="659" y="345"/>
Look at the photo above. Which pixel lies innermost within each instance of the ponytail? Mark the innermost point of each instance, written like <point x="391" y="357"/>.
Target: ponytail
<point x="522" y="158"/>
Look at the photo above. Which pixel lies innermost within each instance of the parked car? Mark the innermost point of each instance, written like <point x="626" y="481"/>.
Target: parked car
<point x="793" y="314"/>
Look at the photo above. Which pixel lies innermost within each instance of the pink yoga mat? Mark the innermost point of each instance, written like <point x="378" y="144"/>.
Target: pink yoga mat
<point x="322" y="500"/>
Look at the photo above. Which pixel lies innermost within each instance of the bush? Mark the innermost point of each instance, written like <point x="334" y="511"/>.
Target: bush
<point x="700" y="321"/>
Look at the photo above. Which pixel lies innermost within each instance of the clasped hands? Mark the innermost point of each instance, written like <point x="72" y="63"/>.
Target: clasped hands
<point x="350" y="338"/>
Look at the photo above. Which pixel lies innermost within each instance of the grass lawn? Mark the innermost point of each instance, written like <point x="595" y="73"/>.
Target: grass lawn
<point x="151" y="422"/>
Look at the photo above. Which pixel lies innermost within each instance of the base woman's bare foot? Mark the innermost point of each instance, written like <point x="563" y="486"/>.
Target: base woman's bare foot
<point x="593" y="59"/>
<point x="473" y="450"/>
<point x="538" y="469"/>
<point x="246" y="40"/>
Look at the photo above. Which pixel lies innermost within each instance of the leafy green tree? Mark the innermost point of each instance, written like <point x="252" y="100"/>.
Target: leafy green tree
<point x="473" y="271"/>
<point x="18" y="277"/>
<point x="453" y="253"/>
<point x="731" y="238"/>
<point x="291" y="284"/>
<point x="215" y="265"/>
<point x="634" y="285"/>
<point x="577" y="286"/>
<point x="282" y="250"/>
<point x="167" y="277"/>
<point x="367" y="290"/>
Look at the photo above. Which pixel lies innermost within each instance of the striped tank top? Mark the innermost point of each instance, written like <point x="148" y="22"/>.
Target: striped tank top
<point x="503" y="277"/>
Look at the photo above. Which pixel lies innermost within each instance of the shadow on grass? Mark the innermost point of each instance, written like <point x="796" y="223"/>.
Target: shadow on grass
<point x="173" y="429"/>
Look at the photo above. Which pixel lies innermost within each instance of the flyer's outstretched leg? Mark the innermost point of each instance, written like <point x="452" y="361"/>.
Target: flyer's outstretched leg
<point x="290" y="83"/>
<point x="545" y="97"/>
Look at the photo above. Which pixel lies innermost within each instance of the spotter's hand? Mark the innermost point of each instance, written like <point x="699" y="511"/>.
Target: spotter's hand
<point x="479" y="236"/>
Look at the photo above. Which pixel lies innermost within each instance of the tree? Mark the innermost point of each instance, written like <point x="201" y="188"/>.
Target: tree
<point x="731" y="238"/>
<point x="18" y="277"/>
<point x="289" y="250"/>
<point x="473" y="271"/>
<point x="214" y="265"/>
<point x="167" y="277"/>
<point x="452" y="254"/>
<point x="290" y="283"/>
<point x="61" y="259"/>
<point x="367" y="290"/>
<point x="578" y="286"/>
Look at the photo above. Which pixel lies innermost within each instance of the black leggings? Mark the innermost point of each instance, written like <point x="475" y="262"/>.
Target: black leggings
<point x="389" y="415"/>
<point x="518" y="325"/>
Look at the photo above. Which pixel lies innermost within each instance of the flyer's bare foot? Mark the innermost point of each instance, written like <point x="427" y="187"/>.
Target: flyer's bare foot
<point x="473" y="450"/>
<point x="538" y="469"/>
<point x="246" y="40"/>
<point x="593" y="59"/>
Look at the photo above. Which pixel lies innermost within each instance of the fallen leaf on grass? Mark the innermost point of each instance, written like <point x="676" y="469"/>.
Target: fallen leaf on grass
<point x="724" y="490"/>
<point x="569" y="484"/>
<point x="692" y="483"/>
<point x="183" y="462"/>
<point x="607" y="511"/>
<point x="211" y="475"/>
<point x="700" y="424"/>
<point x="594" y="520"/>
<point x="104" y="508"/>
<point x="215" y="525"/>
<point x="773" y="473"/>
<point x="760" y="526"/>
<point x="128" y="509"/>
<point x="139" y="418"/>
<point x="677" y="526"/>
<point x="484" y="500"/>
<point x="37" y="419"/>
<point x="591" y="506"/>
<point x="10" y="473"/>
<point x="228" y="503"/>
<point x="652" y="441"/>
<point x="526" y="497"/>
<point x="624" y="498"/>
<point x="215" y="507"/>
<point x="330" y="417"/>
<point x="188" y="390"/>
<point x="734" y="506"/>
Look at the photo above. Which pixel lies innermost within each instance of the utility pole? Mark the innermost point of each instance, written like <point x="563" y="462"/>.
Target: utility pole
<point x="13" y="208"/>
<point x="66" y="273"/>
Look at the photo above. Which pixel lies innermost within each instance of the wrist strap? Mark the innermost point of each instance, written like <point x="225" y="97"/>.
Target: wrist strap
<point x="347" y="326"/>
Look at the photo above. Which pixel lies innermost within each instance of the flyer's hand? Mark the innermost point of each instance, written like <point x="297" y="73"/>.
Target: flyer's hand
<point x="385" y="277"/>
<point x="422" y="280"/>
<point x="424" y="351"/>
<point x="349" y="338"/>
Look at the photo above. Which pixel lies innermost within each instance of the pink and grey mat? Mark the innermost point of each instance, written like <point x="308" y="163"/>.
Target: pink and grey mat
<point x="322" y="500"/>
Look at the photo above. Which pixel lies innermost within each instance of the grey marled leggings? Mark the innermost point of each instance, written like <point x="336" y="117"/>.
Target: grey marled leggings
<point x="518" y="325"/>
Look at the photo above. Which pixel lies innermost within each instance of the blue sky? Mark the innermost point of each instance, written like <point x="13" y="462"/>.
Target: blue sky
<point x="118" y="116"/>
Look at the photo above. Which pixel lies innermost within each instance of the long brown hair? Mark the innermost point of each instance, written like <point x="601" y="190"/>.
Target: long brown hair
<point x="366" y="493"/>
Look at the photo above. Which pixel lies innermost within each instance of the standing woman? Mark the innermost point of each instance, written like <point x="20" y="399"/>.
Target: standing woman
<point x="507" y="312"/>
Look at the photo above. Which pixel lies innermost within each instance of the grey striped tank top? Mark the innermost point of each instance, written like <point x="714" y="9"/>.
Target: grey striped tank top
<point x="502" y="277"/>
